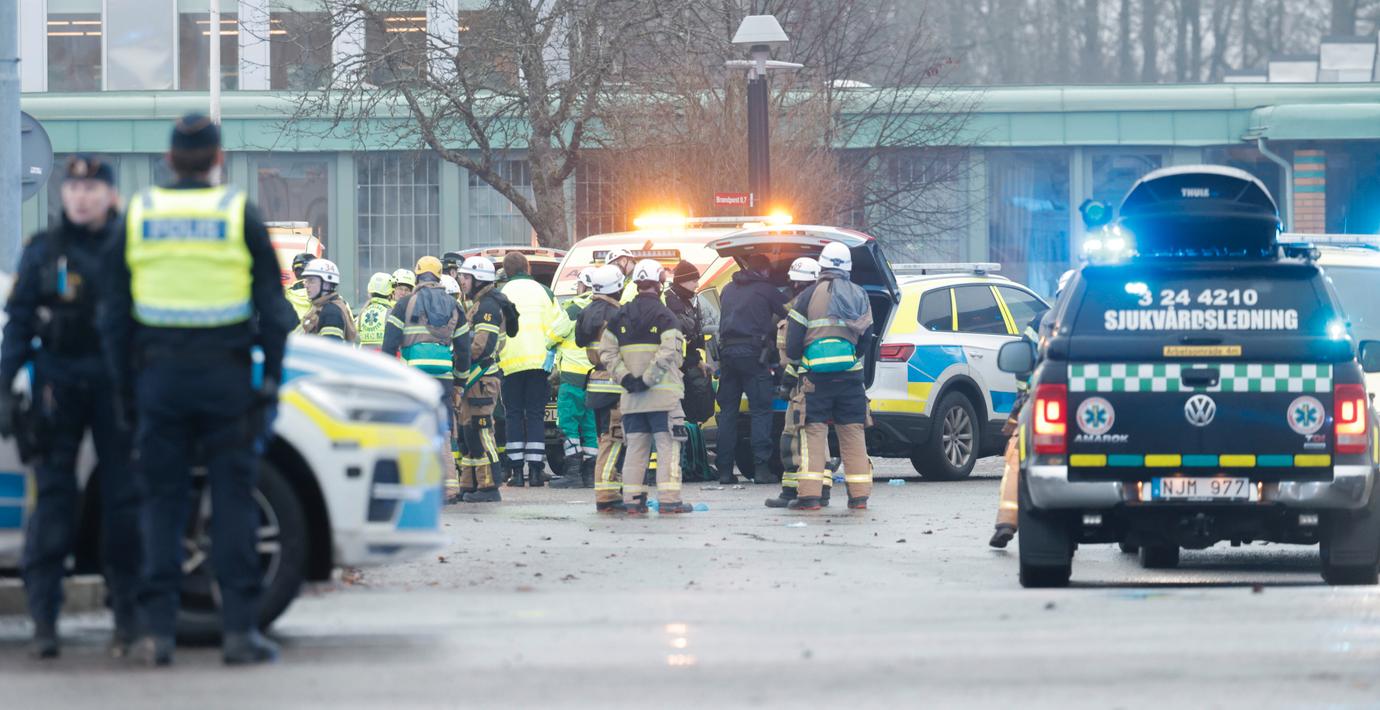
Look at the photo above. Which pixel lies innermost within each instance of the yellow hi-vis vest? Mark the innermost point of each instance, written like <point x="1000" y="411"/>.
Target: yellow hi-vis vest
<point x="536" y="309"/>
<point x="188" y="262"/>
<point x="573" y="358"/>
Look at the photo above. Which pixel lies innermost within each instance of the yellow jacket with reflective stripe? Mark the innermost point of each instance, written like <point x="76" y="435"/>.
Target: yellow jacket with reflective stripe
<point x="188" y="262"/>
<point x="573" y="359"/>
<point x="536" y="309"/>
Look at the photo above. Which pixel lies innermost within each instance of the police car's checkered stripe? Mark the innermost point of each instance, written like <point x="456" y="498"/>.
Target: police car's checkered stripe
<point x="1165" y="377"/>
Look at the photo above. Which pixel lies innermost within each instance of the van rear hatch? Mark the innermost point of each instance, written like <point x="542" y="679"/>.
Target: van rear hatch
<point x="1203" y="370"/>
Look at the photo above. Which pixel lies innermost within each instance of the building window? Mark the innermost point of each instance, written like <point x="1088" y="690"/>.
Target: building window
<point x="296" y="188"/>
<point x="493" y="219"/>
<point x="398" y="203"/>
<point x="919" y="211"/>
<point x="74" y="51"/>
<point x="395" y="45"/>
<point x="194" y="50"/>
<point x="299" y="50"/>
<point x="597" y="208"/>
<point x="1028" y="215"/>
<point x="1113" y="174"/>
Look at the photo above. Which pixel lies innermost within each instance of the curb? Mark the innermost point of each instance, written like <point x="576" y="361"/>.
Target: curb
<point x="83" y="593"/>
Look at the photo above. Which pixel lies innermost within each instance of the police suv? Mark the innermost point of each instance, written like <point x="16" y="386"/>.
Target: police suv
<point x="1203" y="388"/>
<point x="351" y="478"/>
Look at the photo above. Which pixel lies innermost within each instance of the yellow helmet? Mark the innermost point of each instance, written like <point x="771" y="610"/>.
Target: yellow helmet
<point x="429" y="265"/>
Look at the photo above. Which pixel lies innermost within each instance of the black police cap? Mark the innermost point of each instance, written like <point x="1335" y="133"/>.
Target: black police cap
<point x="195" y="131"/>
<point x="88" y="167"/>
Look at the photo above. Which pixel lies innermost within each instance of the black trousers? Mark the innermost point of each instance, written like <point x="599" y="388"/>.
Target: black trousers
<point x="524" y="402"/>
<point x="739" y="375"/>
<point x="187" y="410"/>
<point x="71" y="406"/>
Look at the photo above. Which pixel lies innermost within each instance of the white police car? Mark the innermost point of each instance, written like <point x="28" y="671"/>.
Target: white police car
<point x="351" y="478"/>
<point x="938" y="397"/>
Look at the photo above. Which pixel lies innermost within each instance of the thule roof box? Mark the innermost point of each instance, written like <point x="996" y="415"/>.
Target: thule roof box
<point x="1202" y="211"/>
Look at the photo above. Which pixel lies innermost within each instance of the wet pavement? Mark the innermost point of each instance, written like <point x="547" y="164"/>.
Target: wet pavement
<point x="541" y="602"/>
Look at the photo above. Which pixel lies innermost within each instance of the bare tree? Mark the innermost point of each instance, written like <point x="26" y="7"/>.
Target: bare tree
<point x="1092" y="59"/>
<point x="1342" y="20"/>
<point x="1125" y="62"/>
<point x="476" y="87"/>
<point x="865" y="134"/>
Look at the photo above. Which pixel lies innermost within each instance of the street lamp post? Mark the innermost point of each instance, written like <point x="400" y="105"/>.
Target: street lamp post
<point x="759" y="33"/>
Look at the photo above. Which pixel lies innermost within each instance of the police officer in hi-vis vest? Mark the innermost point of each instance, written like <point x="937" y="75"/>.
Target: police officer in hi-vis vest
<point x="830" y="328"/>
<point x="195" y="325"/>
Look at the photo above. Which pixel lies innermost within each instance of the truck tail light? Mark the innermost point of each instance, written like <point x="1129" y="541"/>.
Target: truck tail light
<point x="1051" y="419"/>
<point x="896" y="352"/>
<point x="1352" y="418"/>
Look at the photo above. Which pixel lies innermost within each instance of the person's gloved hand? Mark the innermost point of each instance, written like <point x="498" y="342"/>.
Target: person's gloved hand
<point x="788" y="384"/>
<point x="633" y="383"/>
<point x="6" y="414"/>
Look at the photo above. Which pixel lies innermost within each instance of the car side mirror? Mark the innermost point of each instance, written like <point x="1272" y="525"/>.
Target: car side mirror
<point x="1370" y="355"/>
<point x="1018" y="357"/>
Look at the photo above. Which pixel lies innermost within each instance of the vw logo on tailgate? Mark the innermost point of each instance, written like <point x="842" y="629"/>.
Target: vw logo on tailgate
<point x="1199" y="410"/>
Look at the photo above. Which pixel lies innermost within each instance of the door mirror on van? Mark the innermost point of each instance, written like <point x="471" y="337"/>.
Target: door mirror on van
<point x="1370" y="355"/>
<point x="1018" y="357"/>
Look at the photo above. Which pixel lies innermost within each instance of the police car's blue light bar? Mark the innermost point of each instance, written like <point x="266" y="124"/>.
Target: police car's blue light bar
<point x="974" y="267"/>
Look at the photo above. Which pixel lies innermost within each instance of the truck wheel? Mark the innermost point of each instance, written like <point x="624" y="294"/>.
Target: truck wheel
<point x="955" y="440"/>
<point x="1127" y="548"/>
<point x="282" y="546"/>
<point x="1351" y="545"/>
<point x="1046" y="547"/>
<point x="1159" y="556"/>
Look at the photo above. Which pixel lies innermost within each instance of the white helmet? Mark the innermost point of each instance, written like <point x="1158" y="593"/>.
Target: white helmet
<point x="615" y="254"/>
<point x="480" y="267"/>
<point x="323" y="269"/>
<point x="380" y="284"/>
<point x="607" y="280"/>
<point x="451" y="286"/>
<point x="648" y="270"/>
<point x="836" y="256"/>
<point x="586" y="276"/>
<point x="403" y="277"/>
<point x="804" y="269"/>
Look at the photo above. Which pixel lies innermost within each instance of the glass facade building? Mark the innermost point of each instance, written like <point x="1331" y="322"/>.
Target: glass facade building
<point x="109" y="76"/>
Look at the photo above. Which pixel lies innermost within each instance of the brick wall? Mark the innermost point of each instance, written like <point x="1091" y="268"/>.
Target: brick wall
<point x="1310" y="191"/>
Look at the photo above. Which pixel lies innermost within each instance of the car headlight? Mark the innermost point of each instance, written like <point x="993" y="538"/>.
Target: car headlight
<point x="364" y="404"/>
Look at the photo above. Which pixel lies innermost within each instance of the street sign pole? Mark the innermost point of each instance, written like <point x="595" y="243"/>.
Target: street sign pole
<point x="10" y="164"/>
<point x="215" y="62"/>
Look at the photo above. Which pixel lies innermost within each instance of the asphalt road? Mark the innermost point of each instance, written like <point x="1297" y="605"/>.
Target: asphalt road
<point x="540" y="602"/>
